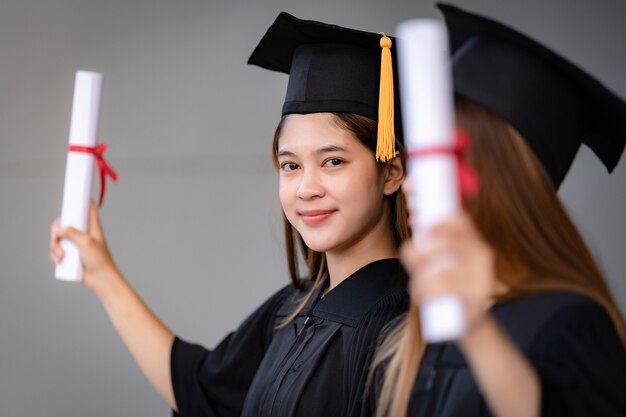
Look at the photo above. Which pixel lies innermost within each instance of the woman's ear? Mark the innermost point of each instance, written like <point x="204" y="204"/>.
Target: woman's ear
<point x="394" y="175"/>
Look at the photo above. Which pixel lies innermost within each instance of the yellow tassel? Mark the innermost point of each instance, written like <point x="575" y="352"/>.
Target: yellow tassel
<point x="386" y="144"/>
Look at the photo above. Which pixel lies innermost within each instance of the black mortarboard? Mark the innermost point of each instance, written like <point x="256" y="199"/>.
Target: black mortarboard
<point x="554" y="104"/>
<point x="333" y="69"/>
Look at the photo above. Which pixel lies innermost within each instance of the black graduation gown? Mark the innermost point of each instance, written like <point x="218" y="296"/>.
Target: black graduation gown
<point x="569" y="339"/>
<point x="317" y="366"/>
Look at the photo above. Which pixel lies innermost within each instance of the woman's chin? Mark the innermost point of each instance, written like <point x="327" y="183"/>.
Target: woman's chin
<point x="317" y="243"/>
<point x="317" y="246"/>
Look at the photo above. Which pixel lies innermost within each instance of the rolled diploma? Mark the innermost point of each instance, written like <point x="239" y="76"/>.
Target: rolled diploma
<point x="427" y="103"/>
<point x="79" y="169"/>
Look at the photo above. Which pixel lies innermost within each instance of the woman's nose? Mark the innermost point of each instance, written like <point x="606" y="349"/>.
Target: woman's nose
<point x="310" y="185"/>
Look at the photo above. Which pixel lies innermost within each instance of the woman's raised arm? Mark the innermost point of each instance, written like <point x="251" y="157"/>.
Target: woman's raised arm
<point x="147" y="338"/>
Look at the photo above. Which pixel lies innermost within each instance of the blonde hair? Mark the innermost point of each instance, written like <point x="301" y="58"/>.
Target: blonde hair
<point x="537" y="247"/>
<point x="366" y="131"/>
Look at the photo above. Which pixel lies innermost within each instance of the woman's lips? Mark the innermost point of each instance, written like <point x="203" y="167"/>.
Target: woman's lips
<point x="312" y="217"/>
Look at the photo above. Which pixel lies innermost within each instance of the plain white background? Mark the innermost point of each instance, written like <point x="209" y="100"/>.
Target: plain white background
<point x="194" y="222"/>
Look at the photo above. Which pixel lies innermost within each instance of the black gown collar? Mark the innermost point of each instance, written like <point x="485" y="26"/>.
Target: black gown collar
<point x="349" y="301"/>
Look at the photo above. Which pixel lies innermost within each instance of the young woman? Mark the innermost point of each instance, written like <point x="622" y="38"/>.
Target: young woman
<point x="305" y="351"/>
<point x="544" y="335"/>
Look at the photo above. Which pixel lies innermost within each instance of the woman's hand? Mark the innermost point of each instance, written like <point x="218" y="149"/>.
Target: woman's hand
<point x="452" y="258"/>
<point x="99" y="268"/>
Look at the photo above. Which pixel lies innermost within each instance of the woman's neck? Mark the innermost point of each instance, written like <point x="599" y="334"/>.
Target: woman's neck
<point x="375" y="246"/>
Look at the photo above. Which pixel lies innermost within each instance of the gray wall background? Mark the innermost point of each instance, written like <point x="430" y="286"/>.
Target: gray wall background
<point x="194" y="222"/>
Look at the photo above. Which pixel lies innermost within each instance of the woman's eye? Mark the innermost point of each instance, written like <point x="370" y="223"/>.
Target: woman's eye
<point x="288" y="166"/>
<point x="333" y="162"/>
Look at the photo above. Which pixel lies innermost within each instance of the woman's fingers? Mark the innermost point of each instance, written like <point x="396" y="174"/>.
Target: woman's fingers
<point x="95" y="227"/>
<point x="451" y="258"/>
<point x="56" y="257"/>
<point x="433" y="285"/>
<point x="56" y="251"/>
<point x="81" y="239"/>
<point x="56" y="225"/>
<point x="458" y="227"/>
<point x="70" y="233"/>
<point x="99" y="267"/>
<point x="418" y="255"/>
<point x="432" y="270"/>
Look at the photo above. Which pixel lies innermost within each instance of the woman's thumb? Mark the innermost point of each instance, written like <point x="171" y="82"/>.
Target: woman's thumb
<point x="74" y="235"/>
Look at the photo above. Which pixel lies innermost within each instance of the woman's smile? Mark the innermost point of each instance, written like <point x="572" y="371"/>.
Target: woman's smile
<point x="313" y="217"/>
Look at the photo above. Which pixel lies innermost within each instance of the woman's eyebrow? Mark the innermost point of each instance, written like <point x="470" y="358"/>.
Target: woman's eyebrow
<point x="322" y="150"/>
<point x="285" y="153"/>
<point x="330" y="148"/>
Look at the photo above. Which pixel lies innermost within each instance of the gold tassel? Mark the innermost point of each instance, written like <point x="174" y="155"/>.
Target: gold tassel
<point x="386" y="144"/>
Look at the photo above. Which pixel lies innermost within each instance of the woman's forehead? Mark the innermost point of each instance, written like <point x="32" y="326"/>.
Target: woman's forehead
<point x="315" y="130"/>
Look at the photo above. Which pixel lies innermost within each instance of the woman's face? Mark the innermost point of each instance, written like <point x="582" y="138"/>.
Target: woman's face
<point x="331" y="188"/>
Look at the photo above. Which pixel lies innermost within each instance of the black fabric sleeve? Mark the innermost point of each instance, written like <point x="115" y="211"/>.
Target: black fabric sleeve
<point x="215" y="383"/>
<point x="361" y="351"/>
<point x="581" y="363"/>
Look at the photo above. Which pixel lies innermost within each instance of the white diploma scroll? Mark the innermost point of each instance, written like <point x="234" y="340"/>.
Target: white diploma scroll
<point x="79" y="169"/>
<point x="428" y="109"/>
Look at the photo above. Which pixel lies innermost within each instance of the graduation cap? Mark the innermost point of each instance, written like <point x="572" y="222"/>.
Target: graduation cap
<point x="554" y="104"/>
<point x="334" y="69"/>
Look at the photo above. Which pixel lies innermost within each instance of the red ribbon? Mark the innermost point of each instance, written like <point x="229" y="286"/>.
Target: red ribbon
<point x="469" y="183"/>
<point x="103" y="166"/>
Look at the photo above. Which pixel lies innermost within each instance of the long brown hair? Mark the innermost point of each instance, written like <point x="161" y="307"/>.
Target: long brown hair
<point x="537" y="247"/>
<point x="366" y="131"/>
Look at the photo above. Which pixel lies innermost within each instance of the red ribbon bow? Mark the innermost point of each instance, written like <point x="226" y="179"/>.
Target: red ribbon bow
<point x="469" y="183"/>
<point x="103" y="166"/>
